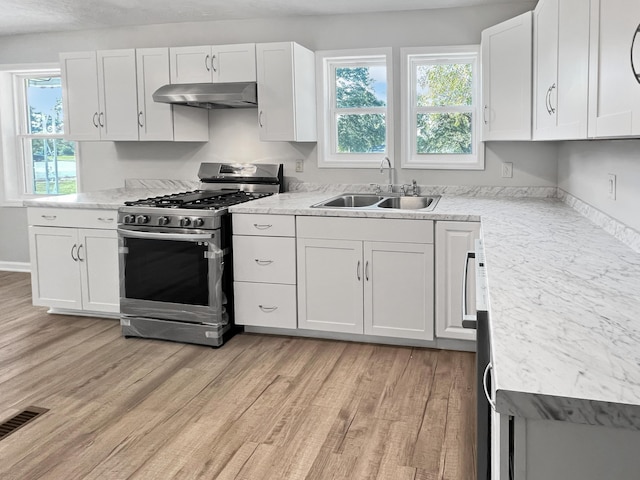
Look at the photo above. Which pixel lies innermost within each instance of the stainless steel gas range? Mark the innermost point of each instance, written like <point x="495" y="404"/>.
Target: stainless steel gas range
<point x="175" y="255"/>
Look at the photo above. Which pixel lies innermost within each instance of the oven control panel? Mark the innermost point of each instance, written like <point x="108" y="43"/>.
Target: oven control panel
<point x="150" y="220"/>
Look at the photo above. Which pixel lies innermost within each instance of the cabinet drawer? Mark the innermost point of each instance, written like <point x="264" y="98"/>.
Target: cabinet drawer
<point x="264" y="259"/>
<point x="265" y="305"/>
<point x="72" y="217"/>
<point x="270" y="225"/>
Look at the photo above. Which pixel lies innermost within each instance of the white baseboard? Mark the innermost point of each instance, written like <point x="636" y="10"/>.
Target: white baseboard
<point x="15" y="266"/>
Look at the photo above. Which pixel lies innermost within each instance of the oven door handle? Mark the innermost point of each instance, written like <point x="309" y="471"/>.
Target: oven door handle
<point x="182" y="237"/>
<point x="468" y="321"/>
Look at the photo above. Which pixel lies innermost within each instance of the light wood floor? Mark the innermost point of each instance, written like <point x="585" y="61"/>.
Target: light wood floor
<point x="260" y="407"/>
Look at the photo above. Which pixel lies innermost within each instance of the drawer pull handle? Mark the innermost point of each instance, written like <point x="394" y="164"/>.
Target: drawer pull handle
<point x="106" y="219"/>
<point x="49" y="217"/>
<point x="262" y="226"/>
<point x="263" y="263"/>
<point x="267" y="309"/>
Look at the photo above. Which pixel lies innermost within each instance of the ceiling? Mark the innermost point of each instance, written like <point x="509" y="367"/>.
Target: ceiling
<point x="36" y="16"/>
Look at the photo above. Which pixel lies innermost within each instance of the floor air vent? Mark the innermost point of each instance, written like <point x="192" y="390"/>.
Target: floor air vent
<point x="20" y="420"/>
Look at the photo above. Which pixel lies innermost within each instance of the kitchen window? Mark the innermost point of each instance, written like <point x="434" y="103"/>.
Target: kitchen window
<point x="440" y="95"/>
<point x="37" y="159"/>
<point x="355" y="114"/>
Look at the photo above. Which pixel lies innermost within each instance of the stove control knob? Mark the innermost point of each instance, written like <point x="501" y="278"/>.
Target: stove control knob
<point x="185" y="222"/>
<point x="163" y="221"/>
<point x="198" y="222"/>
<point x="129" y="219"/>
<point x="141" y="219"/>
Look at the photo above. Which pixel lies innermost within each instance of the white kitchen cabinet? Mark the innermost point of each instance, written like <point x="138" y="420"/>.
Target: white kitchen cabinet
<point x="217" y="64"/>
<point x="453" y="241"/>
<point x="100" y="95"/>
<point x="366" y="276"/>
<point x="264" y="270"/>
<point x="74" y="268"/>
<point x="286" y="92"/>
<point x="614" y="84"/>
<point x="507" y="79"/>
<point x="561" y="69"/>
<point x="161" y="121"/>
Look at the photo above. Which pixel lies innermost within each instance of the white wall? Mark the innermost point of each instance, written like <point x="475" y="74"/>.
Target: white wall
<point x="583" y="170"/>
<point x="233" y="134"/>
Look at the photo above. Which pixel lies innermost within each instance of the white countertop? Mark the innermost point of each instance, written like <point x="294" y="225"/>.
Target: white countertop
<point x="564" y="296"/>
<point x="565" y="304"/>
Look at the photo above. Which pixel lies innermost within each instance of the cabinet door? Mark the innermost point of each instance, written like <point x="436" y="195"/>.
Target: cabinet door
<point x="155" y="120"/>
<point x="330" y="285"/>
<point x="507" y="80"/>
<point x="98" y="258"/>
<point x="614" y="103"/>
<point x="80" y="95"/>
<point x="398" y="292"/>
<point x="118" y="94"/>
<point x="190" y="64"/>
<point x="234" y="63"/>
<point x="453" y="241"/>
<point x="545" y="44"/>
<point x="55" y="274"/>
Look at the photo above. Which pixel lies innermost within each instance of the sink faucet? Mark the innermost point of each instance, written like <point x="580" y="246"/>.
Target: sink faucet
<point x="388" y="162"/>
<point x="415" y="190"/>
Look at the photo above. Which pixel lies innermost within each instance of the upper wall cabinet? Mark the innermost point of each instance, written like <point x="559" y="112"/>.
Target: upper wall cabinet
<point x="217" y="64"/>
<point x="506" y="79"/>
<point x="286" y="92"/>
<point x="614" y="102"/>
<point x="561" y="69"/>
<point x="99" y="91"/>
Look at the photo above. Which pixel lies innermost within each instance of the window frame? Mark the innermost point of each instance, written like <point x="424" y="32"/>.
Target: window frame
<point x="326" y="63"/>
<point x="411" y="58"/>
<point x="14" y="132"/>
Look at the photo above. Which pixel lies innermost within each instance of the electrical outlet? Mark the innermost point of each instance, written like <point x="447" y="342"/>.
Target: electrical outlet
<point x="299" y="166"/>
<point x="507" y="170"/>
<point x="612" y="186"/>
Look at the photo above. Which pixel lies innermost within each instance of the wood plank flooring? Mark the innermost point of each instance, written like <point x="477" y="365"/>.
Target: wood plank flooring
<point x="260" y="407"/>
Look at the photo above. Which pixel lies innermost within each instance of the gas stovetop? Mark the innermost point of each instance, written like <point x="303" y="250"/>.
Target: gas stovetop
<point x="199" y="199"/>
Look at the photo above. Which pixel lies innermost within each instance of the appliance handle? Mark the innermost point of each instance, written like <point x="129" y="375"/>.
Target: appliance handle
<point x="468" y="321"/>
<point x="488" y="368"/>
<point x="636" y="73"/>
<point x="182" y="237"/>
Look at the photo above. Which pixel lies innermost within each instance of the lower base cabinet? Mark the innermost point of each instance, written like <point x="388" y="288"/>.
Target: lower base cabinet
<point x="75" y="268"/>
<point x="353" y="283"/>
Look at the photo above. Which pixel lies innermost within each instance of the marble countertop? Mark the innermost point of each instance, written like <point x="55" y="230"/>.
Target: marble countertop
<point x="564" y="298"/>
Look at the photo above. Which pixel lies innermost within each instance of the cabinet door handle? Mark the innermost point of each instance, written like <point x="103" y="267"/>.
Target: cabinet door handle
<point x="485" y="387"/>
<point x="358" y="271"/>
<point x="263" y="263"/>
<point x="206" y="63"/>
<point x="468" y="321"/>
<point x="101" y="119"/>
<point x="140" y="119"/>
<point x="366" y="270"/>
<point x="267" y="309"/>
<point x="73" y="252"/>
<point x="484" y="114"/>
<point x="95" y="120"/>
<point x="636" y="73"/>
<point x="79" y="248"/>
<point x="260" y="119"/>
<point x="213" y="67"/>
<point x="547" y="100"/>
<point x="262" y="226"/>
<point x="551" y="89"/>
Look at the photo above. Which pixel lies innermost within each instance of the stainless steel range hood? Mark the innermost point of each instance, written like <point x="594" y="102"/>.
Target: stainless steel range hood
<point x="209" y="95"/>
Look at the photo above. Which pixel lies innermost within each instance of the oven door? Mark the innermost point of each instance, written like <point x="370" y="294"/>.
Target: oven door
<point x="172" y="274"/>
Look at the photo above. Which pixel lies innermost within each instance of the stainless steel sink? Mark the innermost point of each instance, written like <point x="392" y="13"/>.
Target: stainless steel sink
<point x="407" y="203"/>
<point x="351" y="201"/>
<point x="370" y="201"/>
